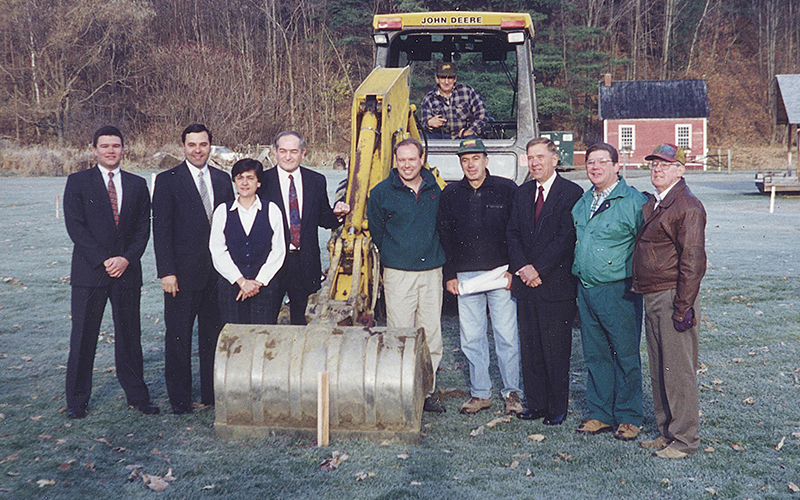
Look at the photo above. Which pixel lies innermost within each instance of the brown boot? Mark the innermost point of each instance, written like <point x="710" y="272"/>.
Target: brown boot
<point x="592" y="426"/>
<point x="658" y="443"/>
<point x="626" y="432"/>
<point x="513" y="404"/>
<point x="474" y="405"/>
<point x="670" y="452"/>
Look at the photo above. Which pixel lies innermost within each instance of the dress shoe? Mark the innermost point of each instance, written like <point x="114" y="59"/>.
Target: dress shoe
<point x="557" y="420"/>
<point x="182" y="410"/>
<point x="76" y="413"/>
<point x="148" y="408"/>
<point x="626" y="432"/>
<point x="513" y="404"/>
<point x="474" y="405"/>
<point x="593" y="426"/>
<point x="530" y="415"/>
<point x="433" y="405"/>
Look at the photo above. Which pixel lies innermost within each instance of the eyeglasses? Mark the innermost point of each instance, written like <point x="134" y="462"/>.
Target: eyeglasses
<point x="660" y="166"/>
<point x="602" y="162"/>
<point x="446" y="77"/>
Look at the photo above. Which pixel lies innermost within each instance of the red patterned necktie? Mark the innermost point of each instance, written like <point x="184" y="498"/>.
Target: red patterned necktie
<point x="112" y="196"/>
<point x="539" y="203"/>
<point x="294" y="214"/>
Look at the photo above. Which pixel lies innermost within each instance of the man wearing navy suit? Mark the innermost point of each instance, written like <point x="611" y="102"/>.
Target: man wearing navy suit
<point x="541" y="243"/>
<point x="184" y="199"/>
<point x="107" y="214"/>
<point x="302" y="196"/>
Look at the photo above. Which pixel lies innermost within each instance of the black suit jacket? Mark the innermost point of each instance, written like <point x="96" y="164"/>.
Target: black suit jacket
<point x="180" y="226"/>
<point x="549" y="245"/>
<point x="90" y="224"/>
<point x="317" y="213"/>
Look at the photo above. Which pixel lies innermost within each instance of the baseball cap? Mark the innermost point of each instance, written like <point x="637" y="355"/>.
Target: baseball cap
<point x="668" y="152"/>
<point x="446" y="69"/>
<point x="471" y="145"/>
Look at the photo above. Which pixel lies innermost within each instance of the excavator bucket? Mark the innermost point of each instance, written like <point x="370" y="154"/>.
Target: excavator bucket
<point x="265" y="380"/>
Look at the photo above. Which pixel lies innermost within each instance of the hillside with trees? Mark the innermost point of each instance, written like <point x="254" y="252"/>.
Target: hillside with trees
<point x="251" y="67"/>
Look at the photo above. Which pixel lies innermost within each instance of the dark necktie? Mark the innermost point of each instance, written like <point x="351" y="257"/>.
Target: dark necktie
<point x="204" y="197"/>
<point x="112" y="196"/>
<point x="539" y="204"/>
<point x="294" y="214"/>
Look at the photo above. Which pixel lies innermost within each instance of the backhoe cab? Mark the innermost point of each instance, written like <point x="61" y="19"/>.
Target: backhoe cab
<point x="493" y="54"/>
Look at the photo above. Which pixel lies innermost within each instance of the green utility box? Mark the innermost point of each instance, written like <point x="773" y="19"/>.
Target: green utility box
<point x="565" y="140"/>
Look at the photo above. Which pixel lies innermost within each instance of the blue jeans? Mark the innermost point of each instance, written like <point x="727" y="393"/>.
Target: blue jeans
<point x="475" y="343"/>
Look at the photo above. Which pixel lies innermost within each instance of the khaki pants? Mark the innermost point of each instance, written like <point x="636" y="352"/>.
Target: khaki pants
<point x="414" y="299"/>
<point x="673" y="372"/>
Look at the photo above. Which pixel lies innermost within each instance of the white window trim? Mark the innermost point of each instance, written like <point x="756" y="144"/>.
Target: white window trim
<point x="633" y="136"/>
<point x="687" y="125"/>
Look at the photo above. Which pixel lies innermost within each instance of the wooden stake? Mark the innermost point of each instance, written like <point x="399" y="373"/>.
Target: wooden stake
<point x="772" y="200"/>
<point x="58" y="204"/>
<point x="323" y="410"/>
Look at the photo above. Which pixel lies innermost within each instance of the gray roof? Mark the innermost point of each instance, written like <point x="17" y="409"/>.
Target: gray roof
<point x="788" y="101"/>
<point x="653" y="99"/>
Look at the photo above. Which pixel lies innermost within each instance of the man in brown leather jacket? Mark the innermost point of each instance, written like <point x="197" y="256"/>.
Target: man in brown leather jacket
<point x="669" y="260"/>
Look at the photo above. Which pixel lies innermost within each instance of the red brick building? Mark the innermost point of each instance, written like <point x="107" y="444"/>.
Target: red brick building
<point x="637" y="116"/>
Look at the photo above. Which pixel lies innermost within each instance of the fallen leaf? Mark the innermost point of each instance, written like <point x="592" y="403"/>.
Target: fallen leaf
<point x="780" y="444"/>
<point x="563" y="456"/>
<point x="403" y="456"/>
<point x="44" y="436"/>
<point x="361" y="476"/>
<point x="59" y="442"/>
<point x="522" y="455"/>
<point x="155" y="483"/>
<point x="793" y="487"/>
<point x="748" y="401"/>
<point x="665" y="481"/>
<point x="169" y="477"/>
<point x="208" y="487"/>
<point x="477" y="432"/>
<point x="709" y="449"/>
<point x="333" y="463"/>
<point x="415" y="483"/>
<point x="499" y="420"/>
<point x="537" y="438"/>
<point x="738" y="360"/>
<point x="752" y="353"/>
<point x="514" y="464"/>
<point x="711" y="491"/>
<point x="120" y="449"/>
<point x="27" y="358"/>
<point x="738" y="447"/>
<point x="10" y="458"/>
<point x="155" y="451"/>
<point x="528" y="473"/>
<point x="102" y="440"/>
<point x="717" y="381"/>
<point x="794" y="434"/>
<point x="703" y="369"/>
<point x="45" y="482"/>
<point x="11" y="473"/>
<point x="90" y="466"/>
<point x="36" y="418"/>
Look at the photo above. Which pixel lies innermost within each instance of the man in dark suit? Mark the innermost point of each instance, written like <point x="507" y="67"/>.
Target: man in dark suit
<point x="302" y="196"/>
<point x="183" y="202"/>
<point x="107" y="213"/>
<point x="541" y="242"/>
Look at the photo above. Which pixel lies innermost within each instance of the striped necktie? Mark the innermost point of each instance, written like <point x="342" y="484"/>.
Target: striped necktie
<point x="112" y="197"/>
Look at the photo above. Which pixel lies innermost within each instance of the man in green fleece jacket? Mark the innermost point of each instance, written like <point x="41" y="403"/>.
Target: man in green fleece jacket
<point x="402" y="212"/>
<point x="607" y="219"/>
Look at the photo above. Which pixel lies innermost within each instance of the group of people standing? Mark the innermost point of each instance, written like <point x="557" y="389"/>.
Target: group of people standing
<point x="536" y="255"/>
<point x="220" y="258"/>
<point x="533" y="254"/>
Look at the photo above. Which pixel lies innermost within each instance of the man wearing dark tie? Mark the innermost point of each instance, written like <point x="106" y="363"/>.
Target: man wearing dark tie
<point x="541" y="242"/>
<point x="107" y="214"/>
<point x="184" y="199"/>
<point x="302" y="196"/>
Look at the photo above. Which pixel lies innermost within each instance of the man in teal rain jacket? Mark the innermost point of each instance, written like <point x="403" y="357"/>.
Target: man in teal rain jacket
<point x="607" y="219"/>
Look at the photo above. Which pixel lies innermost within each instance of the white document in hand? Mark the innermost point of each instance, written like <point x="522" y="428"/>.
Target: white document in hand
<point x="490" y="280"/>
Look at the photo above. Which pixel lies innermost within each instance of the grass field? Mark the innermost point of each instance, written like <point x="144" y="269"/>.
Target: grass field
<point x="749" y="348"/>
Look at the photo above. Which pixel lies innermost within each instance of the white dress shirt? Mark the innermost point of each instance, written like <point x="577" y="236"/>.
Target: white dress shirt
<point x="220" y="255"/>
<point x="546" y="185"/>
<point x="206" y="178"/>
<point x="117" y="184"/>
<point x="283" y="179"/>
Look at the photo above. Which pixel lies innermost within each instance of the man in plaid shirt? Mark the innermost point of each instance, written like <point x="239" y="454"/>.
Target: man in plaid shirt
<point x="452" y="110"/>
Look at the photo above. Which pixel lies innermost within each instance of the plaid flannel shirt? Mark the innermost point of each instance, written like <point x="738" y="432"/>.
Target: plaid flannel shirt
<point x="464" y="109"/>
<point x="599" y="197"/>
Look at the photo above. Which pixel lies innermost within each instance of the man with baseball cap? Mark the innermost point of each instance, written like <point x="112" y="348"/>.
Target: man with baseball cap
<point x="473" y="215"/>
<point x="669" y="261"/>
<point x="452" y="110"/>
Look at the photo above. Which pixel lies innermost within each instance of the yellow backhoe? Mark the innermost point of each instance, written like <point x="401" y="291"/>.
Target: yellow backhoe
<point x="266" y="377"/>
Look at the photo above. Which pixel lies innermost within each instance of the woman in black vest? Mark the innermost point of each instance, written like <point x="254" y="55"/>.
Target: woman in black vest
<point x="247" y="247"/>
